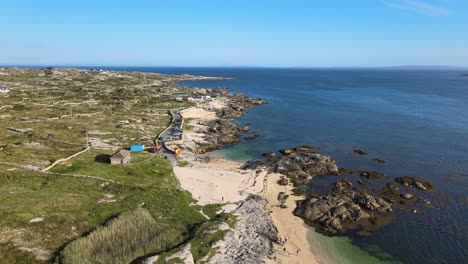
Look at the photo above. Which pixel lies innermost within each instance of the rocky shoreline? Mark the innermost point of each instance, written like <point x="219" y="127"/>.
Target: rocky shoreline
<point x="252" y="239"/>
<point x="222" y="130"/>
<point x="361" y="208"/>
<point x="355" y="205"/>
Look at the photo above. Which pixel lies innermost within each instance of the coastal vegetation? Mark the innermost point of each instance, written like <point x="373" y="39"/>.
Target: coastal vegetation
<point x="131" y="235"/>
<point x="84" y="209"/>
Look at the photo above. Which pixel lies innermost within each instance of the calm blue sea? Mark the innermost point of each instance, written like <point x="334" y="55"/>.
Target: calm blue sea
<point x="417" y="121"/>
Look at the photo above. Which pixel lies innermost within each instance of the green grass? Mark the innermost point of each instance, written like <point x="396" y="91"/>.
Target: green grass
<point x="211" y="210"/>
<point x="207" y="235"/>
<point x="181" y="162"/>
<point x="9" y="254"/>
<point x="188" y="127"/>
<point x="72" y="207"/>
<point x="155" y="173"/>
<point x="131" y="235"/>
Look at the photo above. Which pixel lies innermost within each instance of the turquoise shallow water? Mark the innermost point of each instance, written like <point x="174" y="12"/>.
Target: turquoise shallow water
<point x="417" y="121"/>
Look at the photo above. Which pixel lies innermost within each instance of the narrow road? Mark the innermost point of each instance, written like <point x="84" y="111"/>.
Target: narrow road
<point x="171" y="133"/>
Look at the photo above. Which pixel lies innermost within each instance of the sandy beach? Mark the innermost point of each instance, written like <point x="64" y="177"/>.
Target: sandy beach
<point x="218" y="180"/>
<point x="290" y="227"/>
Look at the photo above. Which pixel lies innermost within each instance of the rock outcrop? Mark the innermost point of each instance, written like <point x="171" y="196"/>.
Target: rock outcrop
<point x="300" y="164"/>
<point x="223" y="130"/>
<point x="344" y="210"/>
<point x="237" y="105"/>
<point x="251" y="241"/>
<point x="218" y="133"/>
<point x="349" y="208"/>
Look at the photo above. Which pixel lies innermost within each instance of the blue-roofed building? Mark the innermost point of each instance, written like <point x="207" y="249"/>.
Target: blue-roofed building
<point x="137" y="148"/>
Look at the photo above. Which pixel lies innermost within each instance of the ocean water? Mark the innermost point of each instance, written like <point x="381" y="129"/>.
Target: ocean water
<point x="417" y="121"/>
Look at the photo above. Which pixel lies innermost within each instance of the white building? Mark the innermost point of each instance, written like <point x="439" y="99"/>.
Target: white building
<point x="4" y="89"/>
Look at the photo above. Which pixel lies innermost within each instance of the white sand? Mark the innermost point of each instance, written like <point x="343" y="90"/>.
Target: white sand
<point x="205" y="110"/>
<point x="219" y="181"/>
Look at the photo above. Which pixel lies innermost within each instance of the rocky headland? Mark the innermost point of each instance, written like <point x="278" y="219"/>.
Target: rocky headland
<point x="222" y="130"/>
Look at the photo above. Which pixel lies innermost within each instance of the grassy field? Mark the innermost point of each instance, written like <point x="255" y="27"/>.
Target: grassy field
<point x="72" y="207"/>
<point x="46" y="218"/>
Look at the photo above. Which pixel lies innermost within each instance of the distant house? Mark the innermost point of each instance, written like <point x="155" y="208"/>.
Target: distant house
<point x="49" y="71"/>
<point x="121" y="157"/>
<point x="137" y="148"/>
<point x="4" y="89"/>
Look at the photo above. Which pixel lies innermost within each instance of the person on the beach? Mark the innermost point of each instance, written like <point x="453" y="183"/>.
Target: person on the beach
<point x="297" y="253"/>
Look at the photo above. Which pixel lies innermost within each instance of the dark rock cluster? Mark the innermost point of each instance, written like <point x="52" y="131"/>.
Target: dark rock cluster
<point x="351" y="208"/>
<point x="344" y="209"/>
<point x="238" y="104"/>
<point x="219" y="133"/>
<point x="299" y="164"/>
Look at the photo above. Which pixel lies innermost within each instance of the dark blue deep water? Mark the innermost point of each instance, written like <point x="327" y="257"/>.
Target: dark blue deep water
<point x="417" y="121"/>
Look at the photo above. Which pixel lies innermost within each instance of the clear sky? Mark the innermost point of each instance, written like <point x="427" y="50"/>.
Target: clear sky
<point x="317" y="33"/>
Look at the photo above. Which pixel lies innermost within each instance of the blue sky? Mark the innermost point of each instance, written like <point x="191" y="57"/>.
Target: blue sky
<point x="287" y="33"/>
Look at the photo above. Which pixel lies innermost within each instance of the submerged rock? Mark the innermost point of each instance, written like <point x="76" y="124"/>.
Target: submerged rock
<point x="408" y="181"/>
<point x="360" y="152"/>
<point x="269" y="154"/>
<point x="252" y="137"/>
<point x="372" y="175"/>
<point x="407" y="196"/>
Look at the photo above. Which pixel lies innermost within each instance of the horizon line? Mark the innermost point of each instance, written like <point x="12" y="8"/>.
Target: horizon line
<point x="422" y="66"/>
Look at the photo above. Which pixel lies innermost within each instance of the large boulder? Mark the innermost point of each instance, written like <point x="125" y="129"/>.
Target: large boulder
<point x="340" y="212"/>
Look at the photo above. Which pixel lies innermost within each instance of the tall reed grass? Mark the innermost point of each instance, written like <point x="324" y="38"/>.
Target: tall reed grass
<point x="131" y="235"/>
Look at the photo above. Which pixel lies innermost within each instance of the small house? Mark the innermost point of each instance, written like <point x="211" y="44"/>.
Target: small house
<point x="121" y="157"/>
<point x="137" y="148"/>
